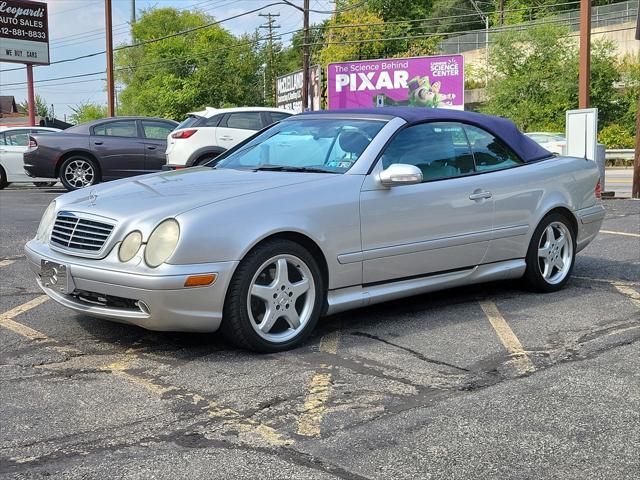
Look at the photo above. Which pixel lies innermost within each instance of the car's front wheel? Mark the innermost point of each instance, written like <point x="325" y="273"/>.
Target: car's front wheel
<point x="551" y="254"/>
<point x="274" y="299"/>
<point x="79" y="172"/>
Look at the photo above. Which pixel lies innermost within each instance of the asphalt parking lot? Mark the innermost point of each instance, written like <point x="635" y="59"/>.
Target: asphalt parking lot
<point x="487" y="381"/>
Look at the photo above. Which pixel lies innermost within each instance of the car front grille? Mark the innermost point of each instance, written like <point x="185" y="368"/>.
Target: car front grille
<point x="72" y="232"/>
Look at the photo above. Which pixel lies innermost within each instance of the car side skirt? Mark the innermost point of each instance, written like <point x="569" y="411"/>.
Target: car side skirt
<point x="360" y="296"/>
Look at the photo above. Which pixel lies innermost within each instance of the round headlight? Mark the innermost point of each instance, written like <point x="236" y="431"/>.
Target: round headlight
<point x="46" y="223"/>
<point x="161" y="243"/>
<point x="130" y="246"/>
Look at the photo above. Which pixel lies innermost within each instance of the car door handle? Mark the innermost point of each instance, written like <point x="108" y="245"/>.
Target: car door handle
<point x="98" y="143"/>
<point x="480" y="195"/>
<point x="226" y="138"/>
<point x="150" y="147"/>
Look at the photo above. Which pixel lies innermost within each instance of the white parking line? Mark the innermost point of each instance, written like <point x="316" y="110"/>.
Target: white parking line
<point x="6" y="263"/>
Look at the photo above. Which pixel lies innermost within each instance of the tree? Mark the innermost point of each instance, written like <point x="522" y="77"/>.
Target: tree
<point x="362" y="34"/>
<point x="86" y="112"/>
<point x="42" y="109"/>
<point x="534" y="78"/>
<point x="171" y="77"/>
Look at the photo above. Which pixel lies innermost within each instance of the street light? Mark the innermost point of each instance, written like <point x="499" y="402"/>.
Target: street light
<point x="264" y="84"/>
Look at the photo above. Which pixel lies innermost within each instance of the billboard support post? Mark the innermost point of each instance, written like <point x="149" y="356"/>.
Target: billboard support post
<point x="585" y="54"/>
<point x="27" y="41"/>
<point x="31" y="98"/>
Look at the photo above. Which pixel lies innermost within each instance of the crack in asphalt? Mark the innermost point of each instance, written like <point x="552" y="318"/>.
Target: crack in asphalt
<point x="187" y="437"/>
<point x="415" y="353"/>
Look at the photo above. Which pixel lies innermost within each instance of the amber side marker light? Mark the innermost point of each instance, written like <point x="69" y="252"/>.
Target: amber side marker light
<point x="200" y="280"/>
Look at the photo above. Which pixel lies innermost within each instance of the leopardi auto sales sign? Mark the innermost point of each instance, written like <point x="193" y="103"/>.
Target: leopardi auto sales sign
<point x="24" y="32"/>
<point x="431" y="82"/>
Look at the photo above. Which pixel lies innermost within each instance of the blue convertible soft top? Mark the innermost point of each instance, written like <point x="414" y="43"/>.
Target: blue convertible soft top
<point x="523" y="146"/>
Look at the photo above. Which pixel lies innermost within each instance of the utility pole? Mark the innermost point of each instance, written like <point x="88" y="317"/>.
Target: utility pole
<point x="635" y="190"/>
<point x="31" y="98"/>
<point x="585" y="54"/>
<point x="305" y="57"/>
<point x="109" y="35"/>
<point x="271" y="26"/>
<point x="133" y="12"/>
<point x="501" y="7"/>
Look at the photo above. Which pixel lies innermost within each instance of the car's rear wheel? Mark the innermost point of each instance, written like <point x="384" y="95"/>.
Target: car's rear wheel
<point x="274" y="299"/>
<point x="551" y="254"/>
<point x="79" y="172"/>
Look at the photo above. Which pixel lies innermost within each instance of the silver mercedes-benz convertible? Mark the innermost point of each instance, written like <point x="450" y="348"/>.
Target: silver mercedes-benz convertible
<point x="320" y="213"/>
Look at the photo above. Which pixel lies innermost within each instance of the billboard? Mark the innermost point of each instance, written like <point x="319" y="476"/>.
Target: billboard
<point x="289" y="90"/>
<point x="417" y="81"/>
<point x="24" y="32"/>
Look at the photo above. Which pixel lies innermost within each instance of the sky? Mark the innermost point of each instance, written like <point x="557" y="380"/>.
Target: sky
<point x="76" y="27"/>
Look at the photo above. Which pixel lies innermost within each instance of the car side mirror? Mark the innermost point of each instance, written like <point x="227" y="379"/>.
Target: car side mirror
<point x="400" y="174"/>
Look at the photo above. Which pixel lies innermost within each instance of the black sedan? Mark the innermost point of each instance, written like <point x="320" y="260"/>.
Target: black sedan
<point x="100" y="150"/>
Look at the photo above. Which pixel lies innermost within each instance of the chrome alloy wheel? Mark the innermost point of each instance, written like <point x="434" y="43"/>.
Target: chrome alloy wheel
<point x="79" y="173"/>
<point x="555" y="252"/>
<point x="281" y="298"/>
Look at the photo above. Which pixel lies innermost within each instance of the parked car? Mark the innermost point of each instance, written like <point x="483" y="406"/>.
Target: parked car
<point x="320" y="213"/>
<point x="204" y="135"/>
<point x="554" y="142"/>
<point x="100" y="150"/>
<point x="14" y="141"/>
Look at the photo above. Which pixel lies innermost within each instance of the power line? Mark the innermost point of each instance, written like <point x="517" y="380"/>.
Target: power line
<point x="158" y="39"/>
<point x="184" y="32"/>
<point x="226" y="48"/>
<point x="167" y="60"/>
<point x="427" y="35"/>
<point x="405" y="37"/>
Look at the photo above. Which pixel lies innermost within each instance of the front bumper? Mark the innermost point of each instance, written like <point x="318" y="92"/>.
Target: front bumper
<point x="152" y="301"/>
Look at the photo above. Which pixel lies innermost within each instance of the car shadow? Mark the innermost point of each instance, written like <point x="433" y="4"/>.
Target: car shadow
<point x="123" y="336"/>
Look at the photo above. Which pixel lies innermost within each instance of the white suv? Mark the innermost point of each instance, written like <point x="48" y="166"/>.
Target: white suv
<point x="204" y="135"/>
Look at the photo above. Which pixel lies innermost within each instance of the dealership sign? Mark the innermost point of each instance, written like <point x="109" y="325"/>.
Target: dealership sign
<point x="24" y="32"/>
<point x="289" y="90"/>
<point x="433" y="82"/>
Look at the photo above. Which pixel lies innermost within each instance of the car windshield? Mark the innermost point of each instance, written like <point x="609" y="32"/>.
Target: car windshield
<point x="305" y="144"/>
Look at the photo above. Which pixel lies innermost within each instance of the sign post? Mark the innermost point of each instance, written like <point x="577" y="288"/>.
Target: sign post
<point x="24" y="38"/>
<point x="432" y="82"/>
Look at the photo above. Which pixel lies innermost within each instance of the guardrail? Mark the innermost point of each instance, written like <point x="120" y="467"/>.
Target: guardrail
<point x="619" y="154"/>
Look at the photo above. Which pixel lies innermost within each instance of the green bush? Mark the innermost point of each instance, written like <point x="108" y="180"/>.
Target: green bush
<point x="615" y="136"/>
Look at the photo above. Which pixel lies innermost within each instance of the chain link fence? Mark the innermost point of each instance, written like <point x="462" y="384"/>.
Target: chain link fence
<point x="601" y="16"/>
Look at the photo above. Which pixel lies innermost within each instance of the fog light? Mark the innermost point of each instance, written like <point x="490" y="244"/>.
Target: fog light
<point x="200" y="280"/>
